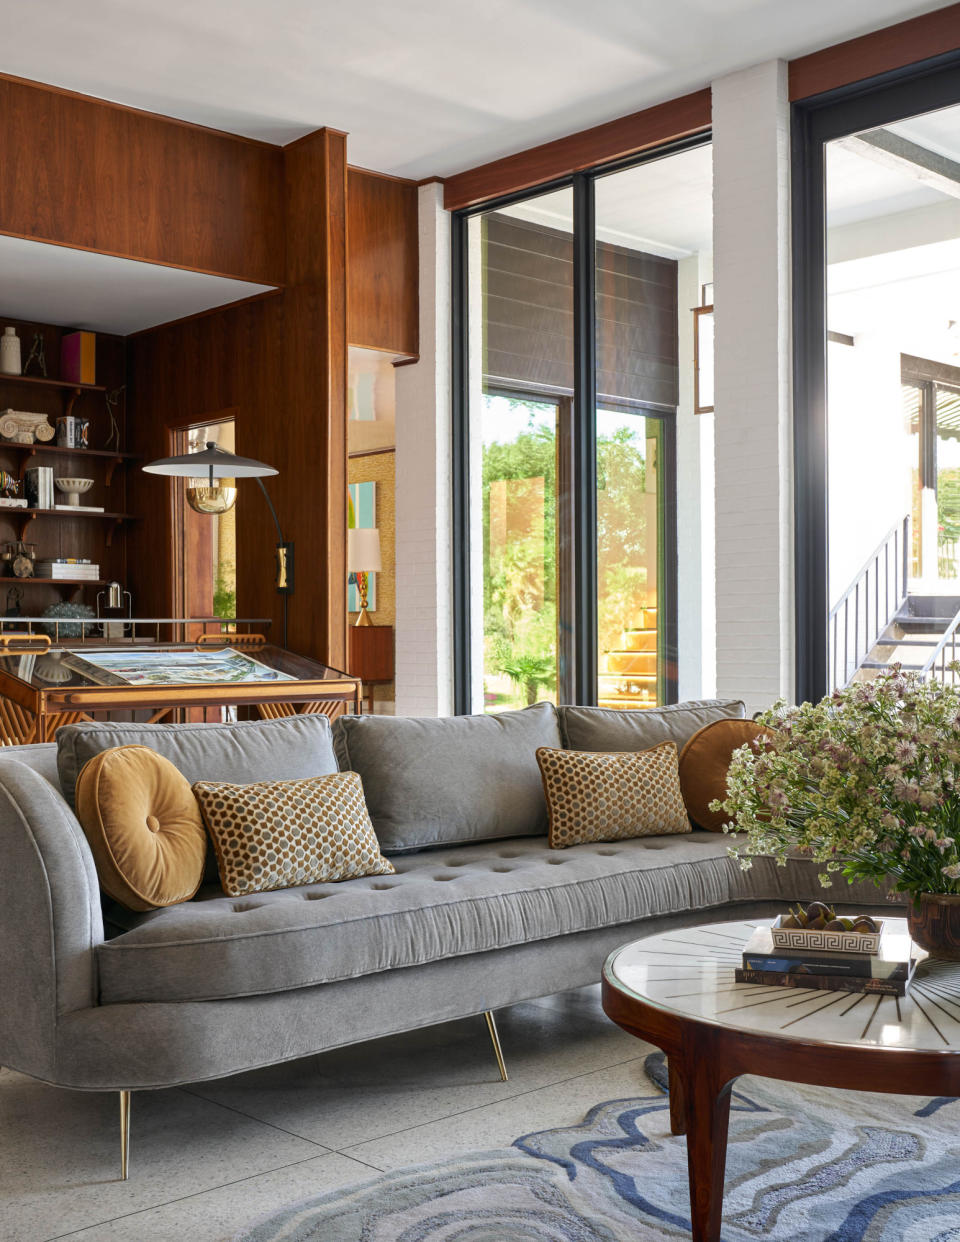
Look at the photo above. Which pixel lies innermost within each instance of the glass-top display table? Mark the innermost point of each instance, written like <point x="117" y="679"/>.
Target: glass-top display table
<point x="678" y="991"/>
<point x="44" y="686"/>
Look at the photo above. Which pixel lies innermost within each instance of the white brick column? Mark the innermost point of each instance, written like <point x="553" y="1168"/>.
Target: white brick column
<point x="424" y="627"/>
<point x="754" y="493"/>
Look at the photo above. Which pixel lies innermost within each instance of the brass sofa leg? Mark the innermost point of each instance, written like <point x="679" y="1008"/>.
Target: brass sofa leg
<point x="492" y="1028"/>
<point x="124" y="1134"/>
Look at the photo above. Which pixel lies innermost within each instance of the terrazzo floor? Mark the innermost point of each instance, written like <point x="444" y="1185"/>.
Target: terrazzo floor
<point x="208" y="1159"/>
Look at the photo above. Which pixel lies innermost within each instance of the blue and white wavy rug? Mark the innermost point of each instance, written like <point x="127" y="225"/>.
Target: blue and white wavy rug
<point x="804" y="1164"/>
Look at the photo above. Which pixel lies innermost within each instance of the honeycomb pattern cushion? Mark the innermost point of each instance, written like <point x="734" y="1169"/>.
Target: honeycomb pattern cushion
<point x="592" y="796"/>
<point x="704" y="761"/>
<point x="144" y="827"/>
<point x="282" y="834"/>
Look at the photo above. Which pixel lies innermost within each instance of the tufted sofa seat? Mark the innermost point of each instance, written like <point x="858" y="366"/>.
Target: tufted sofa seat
<point x="441" y="904"/>
<point x="480" y="914"/>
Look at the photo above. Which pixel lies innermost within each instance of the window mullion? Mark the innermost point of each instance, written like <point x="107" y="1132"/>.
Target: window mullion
<point x="584" y="453"/>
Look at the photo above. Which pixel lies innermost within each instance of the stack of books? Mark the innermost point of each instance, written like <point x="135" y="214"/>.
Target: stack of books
<point x="885" y="973"/>
<point x="68" y="567"/>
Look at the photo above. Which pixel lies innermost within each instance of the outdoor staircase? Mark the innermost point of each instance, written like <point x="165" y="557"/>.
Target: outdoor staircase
<point x="921" y="638"/>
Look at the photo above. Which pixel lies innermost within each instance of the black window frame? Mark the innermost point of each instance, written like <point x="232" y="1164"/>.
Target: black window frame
<point x="923" y="87"/>
<point x="580" y="654"/>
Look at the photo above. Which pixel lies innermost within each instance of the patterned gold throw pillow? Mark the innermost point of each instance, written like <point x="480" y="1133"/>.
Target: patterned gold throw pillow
<point x="281" y="834"/>
<point x="595" y="796"/>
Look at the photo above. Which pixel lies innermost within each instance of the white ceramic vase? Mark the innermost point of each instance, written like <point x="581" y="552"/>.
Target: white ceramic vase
<point x="10" y="352"/>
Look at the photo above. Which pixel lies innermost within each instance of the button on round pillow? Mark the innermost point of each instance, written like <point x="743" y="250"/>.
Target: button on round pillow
<point x="703" y="768"/>
<point x="144" y="827"/>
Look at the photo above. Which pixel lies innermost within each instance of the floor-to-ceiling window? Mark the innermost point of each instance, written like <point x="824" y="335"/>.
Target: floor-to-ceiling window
<point x="878" y="357"/>
<point x="574" y="393"/>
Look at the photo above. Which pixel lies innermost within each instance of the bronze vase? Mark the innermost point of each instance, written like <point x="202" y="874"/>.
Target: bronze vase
<point x="934" y="923"/>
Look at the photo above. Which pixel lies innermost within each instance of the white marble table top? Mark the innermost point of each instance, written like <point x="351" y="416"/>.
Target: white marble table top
<point x="690" y="972"/>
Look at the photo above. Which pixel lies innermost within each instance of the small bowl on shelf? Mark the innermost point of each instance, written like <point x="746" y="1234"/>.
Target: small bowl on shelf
<point x="73" y="489"/>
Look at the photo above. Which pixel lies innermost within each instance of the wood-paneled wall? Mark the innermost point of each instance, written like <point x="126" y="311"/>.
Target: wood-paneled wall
<point x="278" y="366"/>
<point x="383" y="294"/>
<point x="97" y="176"/>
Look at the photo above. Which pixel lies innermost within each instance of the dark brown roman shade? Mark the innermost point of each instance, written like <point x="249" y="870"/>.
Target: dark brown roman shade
<point x="528" y="305"/>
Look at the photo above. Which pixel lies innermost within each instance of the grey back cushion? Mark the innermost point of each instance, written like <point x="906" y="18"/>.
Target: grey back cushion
<point x="604" y="728"/>
<point x="449" y="780"/>
<point x="275" y="750"/>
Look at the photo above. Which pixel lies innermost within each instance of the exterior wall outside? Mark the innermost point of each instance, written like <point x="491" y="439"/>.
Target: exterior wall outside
<point x="870" y="453"/>
<point x="754" y="497"/>
<point x="424" y="633"/>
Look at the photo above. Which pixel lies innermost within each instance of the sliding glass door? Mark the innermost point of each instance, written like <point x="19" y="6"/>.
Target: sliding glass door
<point x="573" y="367"/>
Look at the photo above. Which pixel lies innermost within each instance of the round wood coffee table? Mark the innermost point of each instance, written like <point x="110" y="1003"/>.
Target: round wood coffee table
<point x="677" y="990"/>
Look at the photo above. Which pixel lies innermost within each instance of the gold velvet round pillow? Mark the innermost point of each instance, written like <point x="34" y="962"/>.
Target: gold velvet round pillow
<point x="703" y="767"/>
<point x="144" y="827"/>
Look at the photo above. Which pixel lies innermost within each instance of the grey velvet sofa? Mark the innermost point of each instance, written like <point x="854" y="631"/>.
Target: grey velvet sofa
<point x="481" y="913"/>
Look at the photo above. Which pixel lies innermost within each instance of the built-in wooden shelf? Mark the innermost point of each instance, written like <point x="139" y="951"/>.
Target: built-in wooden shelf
<point x="44" y="382"/>
<point x="112" y="457"/>
<point x="13" y="580"/>
<point x="74" y="511"/>
<point x="23" y="517"/>
<point x="30" y="449"/>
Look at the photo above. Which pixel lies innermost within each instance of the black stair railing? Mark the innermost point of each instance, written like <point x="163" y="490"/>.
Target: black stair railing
<point x="868" y="605"/>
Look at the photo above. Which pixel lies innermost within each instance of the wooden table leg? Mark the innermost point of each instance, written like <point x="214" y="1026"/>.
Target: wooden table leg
<point x="678" y="1119"/>
<point x="707" y="1113"/>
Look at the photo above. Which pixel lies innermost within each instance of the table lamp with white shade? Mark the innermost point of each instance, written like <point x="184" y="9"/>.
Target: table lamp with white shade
<point x="363" y="557"/>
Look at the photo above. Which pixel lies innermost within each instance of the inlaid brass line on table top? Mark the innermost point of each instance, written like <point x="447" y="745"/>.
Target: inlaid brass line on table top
<point x="926" y="990"/>
<point x="863" y="1033"/>
<point x="742" y="989"/>
<point x="730" y="957"/>
<point x="943" y="988"/>
<point x="859" y="1001"/>
<point x="802" y="1017"/>
<point x="738" y="940"/>
<point x="794" y="1003"/>
<point x="927" y="1016"/>
<point x="773" y="1000"/>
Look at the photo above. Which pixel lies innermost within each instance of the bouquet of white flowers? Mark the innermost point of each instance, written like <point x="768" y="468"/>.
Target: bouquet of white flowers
<point x="865" y="782"/>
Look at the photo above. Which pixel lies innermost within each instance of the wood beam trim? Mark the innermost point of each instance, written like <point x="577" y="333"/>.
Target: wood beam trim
<point x="205" y="314"/>
<point x="154" y="116"/>
<point x="880" y="51"/>
<point x="628" y="135"/>
<point x="91" y="176"/>
<point x="372" y="172"/>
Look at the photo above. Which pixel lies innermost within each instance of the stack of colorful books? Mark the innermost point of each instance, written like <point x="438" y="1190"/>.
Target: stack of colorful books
<point x="886" y="972"/>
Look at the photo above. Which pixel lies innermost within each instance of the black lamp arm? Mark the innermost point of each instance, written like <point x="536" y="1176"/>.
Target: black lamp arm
<point x="284" y="550"/>
<point x="273" y="512"/>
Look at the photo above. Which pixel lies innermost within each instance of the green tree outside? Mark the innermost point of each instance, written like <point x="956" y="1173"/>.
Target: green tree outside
<point x="520" y="577"/>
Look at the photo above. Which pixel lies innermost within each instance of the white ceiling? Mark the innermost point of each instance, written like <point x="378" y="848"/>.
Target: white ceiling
<point x="79" y="289"/>
<point x="663" y="207"/>
<point x="424" y="87"/>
